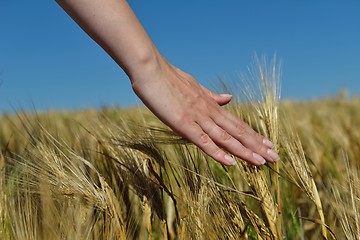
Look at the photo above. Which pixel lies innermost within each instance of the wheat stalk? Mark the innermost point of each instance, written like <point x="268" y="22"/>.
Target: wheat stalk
<point x="296" y="157"/>
<point x="346" y="202"/>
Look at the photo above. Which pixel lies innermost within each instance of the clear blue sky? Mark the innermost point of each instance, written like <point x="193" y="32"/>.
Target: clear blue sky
<point x="47" y="61"/>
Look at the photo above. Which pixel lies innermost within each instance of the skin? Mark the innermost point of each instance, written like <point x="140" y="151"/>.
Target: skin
<point x="174" y="96"/>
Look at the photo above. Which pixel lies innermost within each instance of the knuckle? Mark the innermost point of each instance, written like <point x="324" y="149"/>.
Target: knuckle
<point x="259" y="138"/>
<point x="202" y="105"/>
<point x="258" y="148"/>
<point x="246" y="153"/>
<point x="204" y="139"/>
<point x="224" y="136"/>
<point x="217" y="152"/>
<point x="180" y="120"/>
<point x="240" y="131"/>
<point x="211" y="94"/>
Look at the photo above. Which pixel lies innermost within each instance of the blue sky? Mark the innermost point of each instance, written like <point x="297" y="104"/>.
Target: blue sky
<point x="48" y="62"/>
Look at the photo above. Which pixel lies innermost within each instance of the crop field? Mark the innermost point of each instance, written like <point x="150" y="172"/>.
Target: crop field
<point x="122" y="174"/>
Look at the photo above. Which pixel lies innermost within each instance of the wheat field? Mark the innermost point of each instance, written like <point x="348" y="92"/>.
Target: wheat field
<point x="121" y="174"/>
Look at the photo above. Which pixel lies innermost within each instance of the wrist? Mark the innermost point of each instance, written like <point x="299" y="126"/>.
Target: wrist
<point x="144" y="63"/>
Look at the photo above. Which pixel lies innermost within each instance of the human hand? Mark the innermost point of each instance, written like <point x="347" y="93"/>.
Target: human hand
<point x="172" y="95"/>
<point x="195" y="113"/>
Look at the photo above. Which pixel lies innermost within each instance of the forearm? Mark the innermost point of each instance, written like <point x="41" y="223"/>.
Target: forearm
<point x="114" y="26"/>
<point x="171" y="94"/>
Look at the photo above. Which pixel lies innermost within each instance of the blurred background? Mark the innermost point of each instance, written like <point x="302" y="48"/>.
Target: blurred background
<point x="48" y="62"/>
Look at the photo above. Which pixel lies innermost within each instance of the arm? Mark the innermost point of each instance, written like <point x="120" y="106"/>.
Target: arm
<point x="172" y="95"/>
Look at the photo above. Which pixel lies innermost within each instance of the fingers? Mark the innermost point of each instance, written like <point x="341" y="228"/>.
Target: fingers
<point x="221" y="99"/>
<point x="195" y="134"/>
<point x="223" y="139"/>
<point x="246" y="135"/>
<point x="209" y="137"/>
<point x="241" y="132"/>
<point x="218" y="129"/>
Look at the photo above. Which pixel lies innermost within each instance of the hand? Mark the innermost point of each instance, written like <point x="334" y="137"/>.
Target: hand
<point x="171" y="94"/>
<point x="195" y="113"/>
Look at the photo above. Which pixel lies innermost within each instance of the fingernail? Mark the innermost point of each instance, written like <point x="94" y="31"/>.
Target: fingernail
<point x="273" y="155"/>
<point x="226" y="95"/>
<point x="268" y="143"/>
<point x="230" y="160"/>
<point x="259" y="158"/>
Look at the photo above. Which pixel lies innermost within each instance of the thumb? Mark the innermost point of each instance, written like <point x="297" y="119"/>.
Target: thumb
<point x="221" y="99"/>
